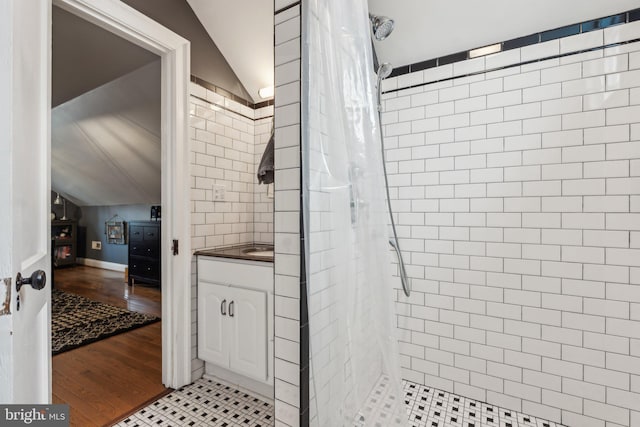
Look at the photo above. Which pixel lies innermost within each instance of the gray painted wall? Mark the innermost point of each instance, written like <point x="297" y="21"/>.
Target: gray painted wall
<point x="207" y="62"/>
<point x="91" y="227"/>
<point x="84" y="56"/>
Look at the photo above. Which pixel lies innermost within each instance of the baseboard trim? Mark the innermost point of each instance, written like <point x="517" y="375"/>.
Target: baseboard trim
<point x="101" y="264"/>
<point x="253" y="387"/>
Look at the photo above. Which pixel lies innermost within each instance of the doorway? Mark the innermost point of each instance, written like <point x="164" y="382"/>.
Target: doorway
<point x="106" y="175"/>
<point x="122" y="21"/>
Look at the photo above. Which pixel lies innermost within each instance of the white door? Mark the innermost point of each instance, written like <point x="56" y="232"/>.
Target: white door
<point x="213" y="335"/>
<point x="248" y="315"/>
<point x="25" y="44"/>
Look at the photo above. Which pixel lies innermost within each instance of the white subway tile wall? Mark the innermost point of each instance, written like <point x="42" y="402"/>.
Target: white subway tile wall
<point x="517" y="196"/>
<point x="287" y="215"/>
<point x="227" y="142"/>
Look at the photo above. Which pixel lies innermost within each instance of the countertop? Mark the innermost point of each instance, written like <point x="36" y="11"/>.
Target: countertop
<point x="239" y="252"/>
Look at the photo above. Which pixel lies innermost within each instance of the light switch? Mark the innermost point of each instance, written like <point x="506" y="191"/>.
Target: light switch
<point x="218" y="192"/>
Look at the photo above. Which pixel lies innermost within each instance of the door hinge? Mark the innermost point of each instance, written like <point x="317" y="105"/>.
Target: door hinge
<point x="5" y="308"/>
<point x="174" y="247"/>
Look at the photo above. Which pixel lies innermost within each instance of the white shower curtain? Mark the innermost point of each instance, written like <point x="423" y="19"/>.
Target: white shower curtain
<point x="355" y="369"/>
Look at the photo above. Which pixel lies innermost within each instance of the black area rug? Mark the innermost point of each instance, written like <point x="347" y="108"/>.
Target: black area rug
<point x="77" y="321"/>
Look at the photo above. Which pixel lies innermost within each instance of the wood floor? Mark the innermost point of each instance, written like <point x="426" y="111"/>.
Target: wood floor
<point x="107" y="379"/>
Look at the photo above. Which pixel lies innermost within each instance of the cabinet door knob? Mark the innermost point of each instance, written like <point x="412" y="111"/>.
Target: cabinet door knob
<point x="231" y="308"/>
<point x="223" y="307"/>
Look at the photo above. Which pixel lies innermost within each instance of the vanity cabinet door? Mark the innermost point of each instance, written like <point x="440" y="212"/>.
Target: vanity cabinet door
<point x="248" y="327"/>
<point x="213" y="335"/>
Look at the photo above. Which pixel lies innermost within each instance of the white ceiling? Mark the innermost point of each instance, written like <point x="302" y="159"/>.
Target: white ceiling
<point x="425" y="29"/>
<point x="105" y="144"/>
<point x="243" y="31"/>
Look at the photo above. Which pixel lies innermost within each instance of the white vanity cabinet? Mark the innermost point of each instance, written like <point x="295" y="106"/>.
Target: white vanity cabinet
<point x="235" y="316"/>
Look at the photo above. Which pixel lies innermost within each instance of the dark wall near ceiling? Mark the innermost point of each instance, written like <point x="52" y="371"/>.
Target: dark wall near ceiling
<point x="207" y="62"/>
<point x="84" y="56"/>
<point x="91" y="227"/>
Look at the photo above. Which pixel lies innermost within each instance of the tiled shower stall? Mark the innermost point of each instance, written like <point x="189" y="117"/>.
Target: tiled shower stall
<point x="516" y="188"/>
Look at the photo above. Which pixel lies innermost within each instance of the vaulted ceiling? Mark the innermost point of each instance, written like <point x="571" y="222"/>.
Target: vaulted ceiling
<point x="425" y="29"/>
<point x="105" y="144"/>
<point x="243" y="31"/>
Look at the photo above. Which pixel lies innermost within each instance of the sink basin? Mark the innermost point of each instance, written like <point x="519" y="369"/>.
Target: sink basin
<point x="261" y="252"/>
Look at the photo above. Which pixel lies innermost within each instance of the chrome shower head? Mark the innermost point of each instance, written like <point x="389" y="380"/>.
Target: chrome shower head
<point x="381" y="25"/>
<point x="384" y="70"/>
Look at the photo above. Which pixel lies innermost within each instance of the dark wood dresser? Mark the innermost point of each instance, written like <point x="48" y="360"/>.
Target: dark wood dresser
<point x="144" y="252"/>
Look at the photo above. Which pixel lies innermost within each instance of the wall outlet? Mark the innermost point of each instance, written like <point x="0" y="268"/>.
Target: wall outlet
<point x="97" y="245"/>
<point x="218" y="192"/>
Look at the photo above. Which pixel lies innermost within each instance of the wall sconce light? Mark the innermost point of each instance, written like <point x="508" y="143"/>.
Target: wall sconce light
<point x="266" y="92"/>
<point x="61" y="201"/>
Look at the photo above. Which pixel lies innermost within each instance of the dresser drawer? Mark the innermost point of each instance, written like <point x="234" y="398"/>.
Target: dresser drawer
<point x="143" y="268"/>
<point x="136" y="233"/>
<point x="144" y="249"/>
<point x="141" y="233"/>
<point x="151" y="234"/>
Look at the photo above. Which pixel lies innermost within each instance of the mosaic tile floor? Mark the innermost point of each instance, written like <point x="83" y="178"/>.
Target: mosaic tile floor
<point x="209" y="403"/>
<point x="430" y="407"/>
<point x="204" y="403"/>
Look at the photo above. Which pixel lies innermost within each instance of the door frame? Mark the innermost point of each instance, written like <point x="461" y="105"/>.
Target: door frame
<point x="174" y="51"/>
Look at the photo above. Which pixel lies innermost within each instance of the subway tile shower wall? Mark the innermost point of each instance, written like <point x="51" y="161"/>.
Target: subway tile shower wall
<point x="227" y="142"/>
<point x="517" y="196"/>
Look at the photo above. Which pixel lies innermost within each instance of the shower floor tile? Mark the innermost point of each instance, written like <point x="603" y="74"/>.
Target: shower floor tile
<point x="430" y="407"/>
<point x="210" y="403"/>
<point x="204" y="403"/>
